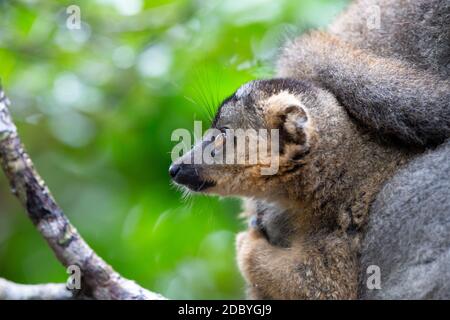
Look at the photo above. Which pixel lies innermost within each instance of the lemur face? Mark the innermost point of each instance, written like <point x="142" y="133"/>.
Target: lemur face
<point x="258" y="139"/>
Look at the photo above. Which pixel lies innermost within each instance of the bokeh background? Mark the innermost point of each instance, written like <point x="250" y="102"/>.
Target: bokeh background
<point x="96" y="108"/>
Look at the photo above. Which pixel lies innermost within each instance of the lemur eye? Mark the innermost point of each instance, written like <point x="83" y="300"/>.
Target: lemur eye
<point x="224" y="130"/>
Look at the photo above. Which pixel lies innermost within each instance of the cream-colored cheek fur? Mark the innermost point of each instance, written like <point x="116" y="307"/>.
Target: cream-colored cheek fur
<point x="240" y="181"/>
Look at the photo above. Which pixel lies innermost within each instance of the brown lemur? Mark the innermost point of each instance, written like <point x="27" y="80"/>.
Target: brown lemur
<point x="329" y="172"/>
<point x="310" y="215"/>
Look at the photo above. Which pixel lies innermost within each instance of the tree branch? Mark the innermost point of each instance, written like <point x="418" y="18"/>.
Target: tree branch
<point x="51" y="291"/>
<point x="99" y="280"/>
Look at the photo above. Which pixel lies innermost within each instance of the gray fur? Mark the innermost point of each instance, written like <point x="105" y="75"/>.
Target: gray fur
<point x="416" y="31"/>
<point x="393" y="79"/>
<point x="408" y="234"/>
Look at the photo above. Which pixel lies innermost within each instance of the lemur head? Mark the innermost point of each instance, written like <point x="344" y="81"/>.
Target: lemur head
<point x="259" y="139"/>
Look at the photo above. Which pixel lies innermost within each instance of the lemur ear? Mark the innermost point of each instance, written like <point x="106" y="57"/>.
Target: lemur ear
<point x="295" y="122"/>
<point x="291" y="118"/>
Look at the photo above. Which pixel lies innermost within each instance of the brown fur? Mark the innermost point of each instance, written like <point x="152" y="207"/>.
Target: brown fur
<point x="327" y="201"/>
<point x="316" y="267"/>
<point x="330" y="171"/>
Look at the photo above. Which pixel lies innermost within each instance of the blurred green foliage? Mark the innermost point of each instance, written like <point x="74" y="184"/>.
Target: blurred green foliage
<point x="96" y="108"/>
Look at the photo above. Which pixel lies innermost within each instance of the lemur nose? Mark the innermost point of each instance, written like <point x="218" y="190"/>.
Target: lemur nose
<point x="174" y="169"/>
